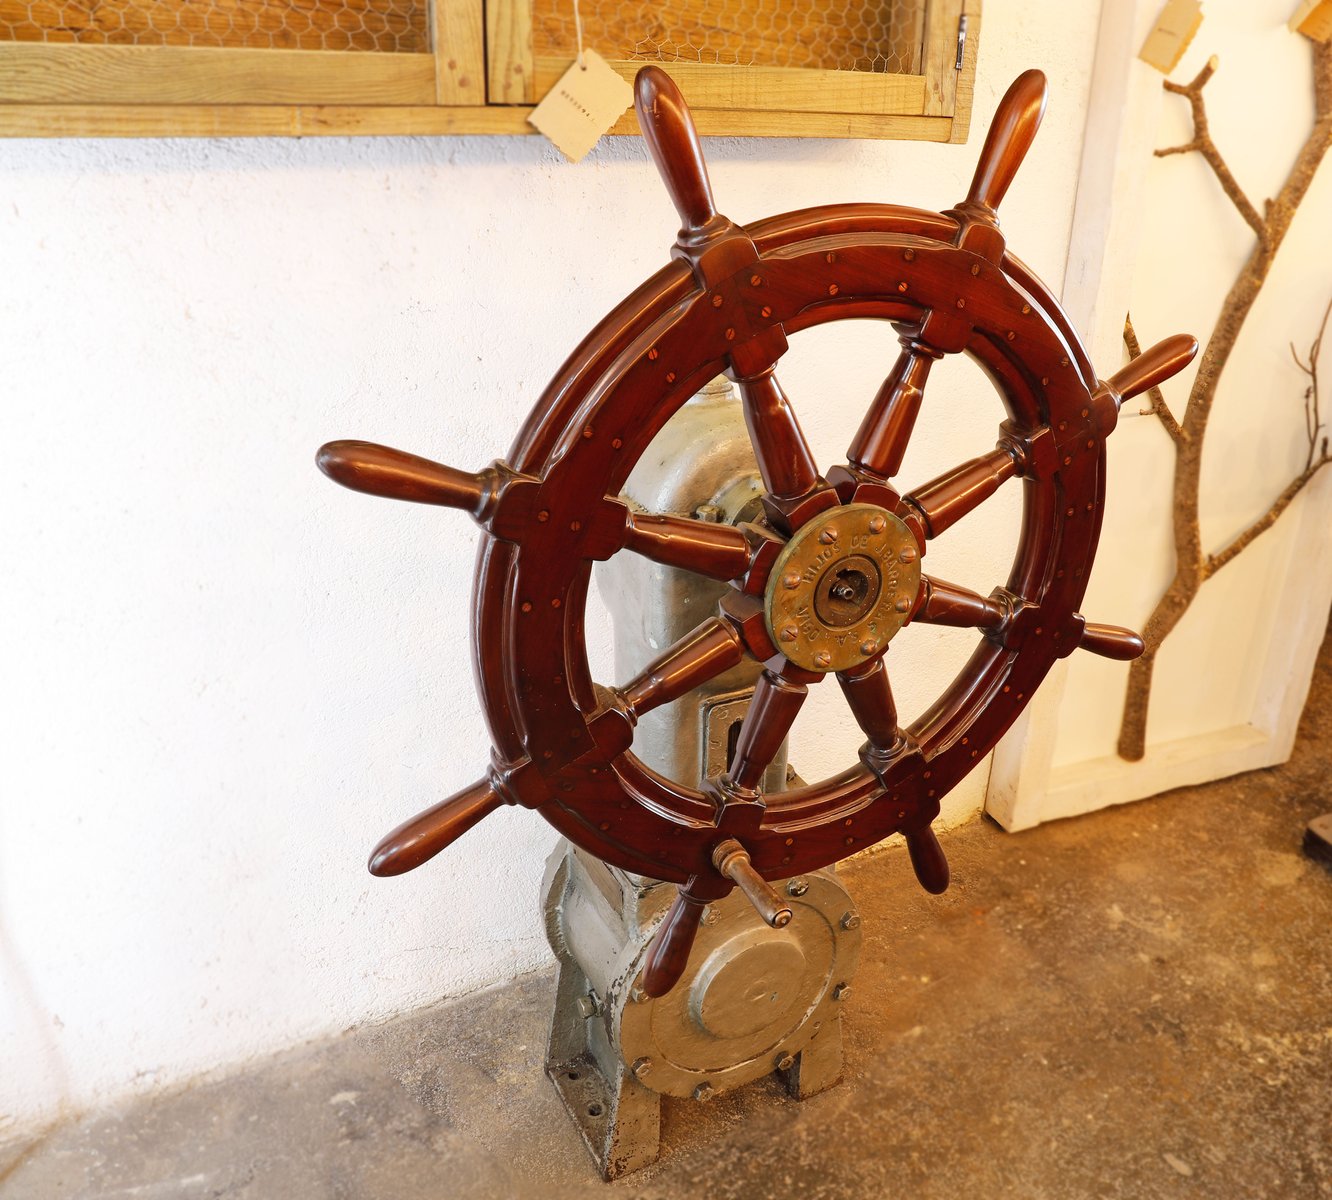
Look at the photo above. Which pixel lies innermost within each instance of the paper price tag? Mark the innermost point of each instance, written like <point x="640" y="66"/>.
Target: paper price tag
<point x="1313" y="18"/>
<point x="583" y="104"/>
<point x="1171" y="35"/>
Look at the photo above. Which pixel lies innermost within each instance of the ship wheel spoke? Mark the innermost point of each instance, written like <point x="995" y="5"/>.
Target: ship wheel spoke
<point x="1110" y="641"/>
<point x="703" y="653"/>
<point x="397" y="475"/>
<point x="882" y="438"/>
<point x="944" y="501"/>
<point x="426" y="834"/>
<point x="785" y="460"/>
<point x="716" y="248"/>
<point x="870" y="697"/>
<point x="1010" y="136"/>
<point x="943" y="603"/>
<point x="1152" y="367"/>
<point x="668" y="953"/>
<point x="498" y="498"/>
<point x="768" y="720"/>
<point x="703" y="547"/>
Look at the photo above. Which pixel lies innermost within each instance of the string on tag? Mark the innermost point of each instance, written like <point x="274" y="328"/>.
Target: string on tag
<point x="578" y="31"/>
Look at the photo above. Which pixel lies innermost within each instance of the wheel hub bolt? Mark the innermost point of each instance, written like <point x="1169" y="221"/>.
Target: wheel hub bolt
<point x="868" y="647"/>
<point x="785" y="1061"/>
<point x="908" y="554"/>
<point x="903" y="604"/>
<point x="789" y="633"/>
<point x="829" y="535"/>
<point x="877" y="525"/>
<point x="823" y="658"/>
<point x="791" y="581"/>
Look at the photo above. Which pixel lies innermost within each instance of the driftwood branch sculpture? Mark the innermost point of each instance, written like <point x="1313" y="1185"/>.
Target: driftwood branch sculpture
<point x="1194" y="566"/>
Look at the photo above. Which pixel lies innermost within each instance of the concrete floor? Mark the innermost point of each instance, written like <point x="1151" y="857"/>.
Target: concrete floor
<point x="1135" y="1004"/>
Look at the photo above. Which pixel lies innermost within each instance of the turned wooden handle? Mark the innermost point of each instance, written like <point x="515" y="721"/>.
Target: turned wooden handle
<point x="669" y="131"/>
<point x="397" y="475"/>
<point x="1011" y="134"/>
<point x="1111" y="641"/>
<point x="732" y="860"/>
<point x="425" y="835"/>
<point x="668" y="954"/>
<point x="1154" y="366"/>
<point x="927" y="859"/>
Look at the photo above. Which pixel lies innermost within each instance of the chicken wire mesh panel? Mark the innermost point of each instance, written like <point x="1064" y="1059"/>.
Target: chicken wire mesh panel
<point x="832" y="35"/>
<point x="394" y="26"/>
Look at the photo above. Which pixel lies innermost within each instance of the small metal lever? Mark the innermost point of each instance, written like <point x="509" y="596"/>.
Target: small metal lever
<point x="732" y="860"/>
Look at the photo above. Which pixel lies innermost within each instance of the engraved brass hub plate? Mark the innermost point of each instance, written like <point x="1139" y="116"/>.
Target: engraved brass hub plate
<point x="842" y="587"/>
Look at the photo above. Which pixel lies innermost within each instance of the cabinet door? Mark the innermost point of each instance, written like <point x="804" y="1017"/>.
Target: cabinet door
<point x="901" y="68"/>
<point x="248" y="66"/>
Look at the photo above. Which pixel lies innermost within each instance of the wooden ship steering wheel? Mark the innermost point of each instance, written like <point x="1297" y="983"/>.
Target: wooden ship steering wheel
<point x="823" y="581"/>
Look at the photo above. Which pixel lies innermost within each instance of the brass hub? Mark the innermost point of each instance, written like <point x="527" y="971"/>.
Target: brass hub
<point x="842" y="587"/>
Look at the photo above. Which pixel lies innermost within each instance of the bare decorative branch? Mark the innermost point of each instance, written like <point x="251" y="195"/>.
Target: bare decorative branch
<point x="1314" y="460"/>
<point x="1313" y="419"/>
<point x="1157" y="399"/>
<point x="1193" y="566"/>
<point x="1216" y="561"/>
<point x="1186" y="148"/>
<point x="1203" y="144"/>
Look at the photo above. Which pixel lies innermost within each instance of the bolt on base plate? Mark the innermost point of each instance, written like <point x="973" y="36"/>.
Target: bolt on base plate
<point x="621" y="1125"/>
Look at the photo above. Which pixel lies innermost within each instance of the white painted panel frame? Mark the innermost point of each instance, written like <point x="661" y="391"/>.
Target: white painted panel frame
<point x="1027" y="785"/>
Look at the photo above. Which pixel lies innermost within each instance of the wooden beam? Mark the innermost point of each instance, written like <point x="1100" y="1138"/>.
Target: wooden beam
<point x="459" y="39"/>
<point x="250" y="120"/>
<point x="509" y="53"/>
<point x="788" y="89"/>
<point x="37" y="73"/>
<point x="941" y="56"/>
<point x="965" y="87"/>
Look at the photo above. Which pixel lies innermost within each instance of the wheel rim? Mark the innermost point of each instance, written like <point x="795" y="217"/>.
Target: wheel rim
<point x="620" y="809"/>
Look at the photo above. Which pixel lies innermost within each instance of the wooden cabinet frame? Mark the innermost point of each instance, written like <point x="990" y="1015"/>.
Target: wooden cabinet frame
<point x="480" y="77"/>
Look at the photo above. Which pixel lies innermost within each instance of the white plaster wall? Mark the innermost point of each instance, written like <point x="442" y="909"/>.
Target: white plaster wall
<point x="226" y="678"/>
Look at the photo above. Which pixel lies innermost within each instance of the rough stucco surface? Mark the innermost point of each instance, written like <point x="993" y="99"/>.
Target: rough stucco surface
<point x="1130" y="1005"/>
<point x="226" y="678"/>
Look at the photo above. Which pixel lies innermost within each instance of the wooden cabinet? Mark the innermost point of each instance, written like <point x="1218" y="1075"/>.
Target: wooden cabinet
<point x="897" y="69"/>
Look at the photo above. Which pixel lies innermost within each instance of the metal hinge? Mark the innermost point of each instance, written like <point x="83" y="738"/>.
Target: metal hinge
<point x="961" y="40"/>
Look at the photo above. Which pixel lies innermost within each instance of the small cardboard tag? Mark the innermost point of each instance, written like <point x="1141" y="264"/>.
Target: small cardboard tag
<point x="1171" y="35"/>
<point x="1313" y="18"/>
<point x="583" y="104"/>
